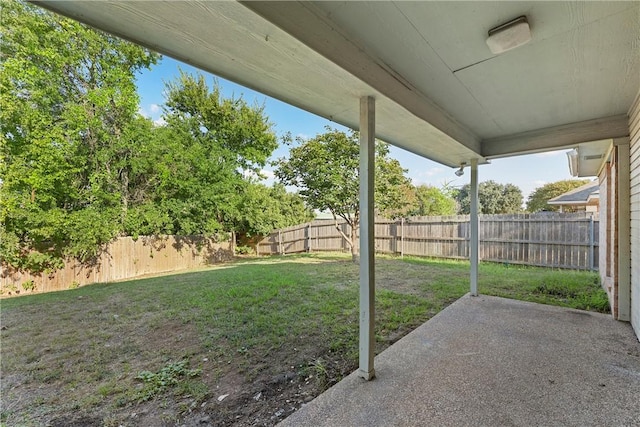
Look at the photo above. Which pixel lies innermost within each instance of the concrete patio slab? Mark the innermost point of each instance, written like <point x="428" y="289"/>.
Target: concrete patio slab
<point x="487" y="361"/>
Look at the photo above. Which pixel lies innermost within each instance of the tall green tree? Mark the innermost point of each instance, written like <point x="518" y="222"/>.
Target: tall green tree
<point x="537" y="200"/>
<point x="67" y="105"/>
<point x="395" y="195"/>
<point x="493" y="198"/>
<point x="264" y="209"/>
<point x="433" y="201"/>
<point x="208" y="145"/>
<point x="325" y="169"/>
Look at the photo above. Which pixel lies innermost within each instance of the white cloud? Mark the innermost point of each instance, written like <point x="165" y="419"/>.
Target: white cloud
<point x="427" y="176"/>
<point x="269" y="175"/>
<point x="153" y="112"/>
<point x="433" y="172"/>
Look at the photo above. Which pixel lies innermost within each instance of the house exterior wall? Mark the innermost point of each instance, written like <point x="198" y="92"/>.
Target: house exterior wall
<point x="602" y="230"/>
<point x="634" y="200"/>
<point x="610" y="181"/>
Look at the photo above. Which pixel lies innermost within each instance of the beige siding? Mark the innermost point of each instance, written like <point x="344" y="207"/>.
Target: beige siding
<point x="604" y="267"/>
<point x="634" y="128"/>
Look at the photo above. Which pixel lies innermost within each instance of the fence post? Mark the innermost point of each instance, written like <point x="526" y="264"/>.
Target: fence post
<point x="280" y="252"/>
<point x="309" y="237"/>
<point x="591" y="243"/>
<point x="402" y="237"/>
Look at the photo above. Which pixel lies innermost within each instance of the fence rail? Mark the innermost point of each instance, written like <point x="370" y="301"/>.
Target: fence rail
<point x="123" y="258"/>
<point x="561" y="240"/>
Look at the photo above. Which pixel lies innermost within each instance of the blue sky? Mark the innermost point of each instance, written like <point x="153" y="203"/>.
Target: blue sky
<point x="527" y="172"/>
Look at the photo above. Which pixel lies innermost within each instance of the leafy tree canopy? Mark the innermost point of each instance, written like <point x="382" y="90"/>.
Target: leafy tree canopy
<point x="265" y="209"/>
<point x="200" y="158"/>
<point x="493" y="198"/>
<point x="433" y="201"/>
<point x="80" y="166"/>
<point x="68" y="104"/>
<point x="325" y="169"/>
<point x="537" y="200"/>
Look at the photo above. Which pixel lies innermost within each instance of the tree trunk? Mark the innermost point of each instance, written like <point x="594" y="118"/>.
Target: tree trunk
<point x="351" y="239"/>
<point x="124" y="185"/>
<point x="355" y="253"/>
<point x="344" y="236"/>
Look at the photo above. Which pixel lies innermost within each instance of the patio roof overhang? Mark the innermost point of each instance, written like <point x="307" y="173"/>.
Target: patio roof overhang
<point x="439" y="90"/>
<point x="418" y="75"/>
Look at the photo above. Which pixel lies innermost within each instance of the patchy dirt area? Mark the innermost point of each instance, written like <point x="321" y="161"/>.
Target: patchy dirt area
<point x="226" y="392"/>
<point x="223" y="396"/>
<point x="261" y="403"/>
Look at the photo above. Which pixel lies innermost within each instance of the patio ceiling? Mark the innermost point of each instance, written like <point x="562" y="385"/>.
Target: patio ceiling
<point x="439" y="90"/>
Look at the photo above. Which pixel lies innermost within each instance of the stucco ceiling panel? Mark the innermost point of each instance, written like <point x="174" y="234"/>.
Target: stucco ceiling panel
<point x="397" y="45"/>
<point x="457" y="30"/>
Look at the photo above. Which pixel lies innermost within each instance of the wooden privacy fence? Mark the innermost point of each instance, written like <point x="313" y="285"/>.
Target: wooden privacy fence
<point x="561" y="240"/>
<point x="124" y="258"/>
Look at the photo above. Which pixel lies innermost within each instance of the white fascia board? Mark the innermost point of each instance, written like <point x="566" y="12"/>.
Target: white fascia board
<point x="556" y="137"/>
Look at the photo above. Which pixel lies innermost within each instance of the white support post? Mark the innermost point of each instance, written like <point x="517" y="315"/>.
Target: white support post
<point x="474" y="225"/>
<point x="592" y="244"/>
<point x="624" y="228"/>
<point x="367" y="248"/>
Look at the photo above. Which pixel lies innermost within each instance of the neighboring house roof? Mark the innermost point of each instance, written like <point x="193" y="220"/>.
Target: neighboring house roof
<point x="583" y="195"/>
<point x="323" y="215"/>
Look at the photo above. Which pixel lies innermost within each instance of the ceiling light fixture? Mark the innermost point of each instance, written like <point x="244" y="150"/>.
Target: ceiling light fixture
<point x="572" y="156"/>
<point x="509" y="35"/>
<point x="460" y="171"/>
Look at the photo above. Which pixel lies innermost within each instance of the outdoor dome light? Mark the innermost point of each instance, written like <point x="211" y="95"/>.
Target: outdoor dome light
<point x="460" y="171"/>
<point x="509" y="35"/>
<point x="572" y="156"/>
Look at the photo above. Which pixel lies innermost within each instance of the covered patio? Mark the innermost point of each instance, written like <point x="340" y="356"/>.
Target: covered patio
<point x="443" y="80"/>
<point x="488" y="361"/>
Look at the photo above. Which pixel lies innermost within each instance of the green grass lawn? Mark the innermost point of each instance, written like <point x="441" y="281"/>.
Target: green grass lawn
<point x="268" y="333"/>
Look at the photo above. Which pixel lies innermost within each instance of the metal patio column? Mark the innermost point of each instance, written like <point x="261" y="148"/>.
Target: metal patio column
<point x="474" y="225"/>
<point x="367" y="254"/>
